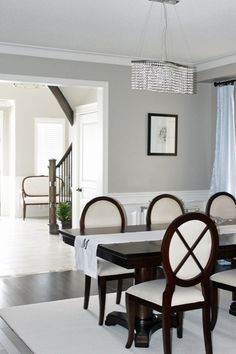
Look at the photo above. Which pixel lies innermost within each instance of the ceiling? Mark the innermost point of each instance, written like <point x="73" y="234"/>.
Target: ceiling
<point x="199" y="31"/>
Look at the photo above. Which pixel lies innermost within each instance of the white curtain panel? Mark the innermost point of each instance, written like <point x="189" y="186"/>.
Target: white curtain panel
<point x="224" y="169"/>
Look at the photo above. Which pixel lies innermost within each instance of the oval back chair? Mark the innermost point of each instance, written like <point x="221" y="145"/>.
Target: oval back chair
<point x="104" y="211"/>
<point x="163" y="209"/>
<point x="189" y="251"/>
<point x="221" y="204"/>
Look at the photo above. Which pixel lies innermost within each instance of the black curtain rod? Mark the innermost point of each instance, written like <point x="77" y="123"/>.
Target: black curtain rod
<point x="225" y="83"/>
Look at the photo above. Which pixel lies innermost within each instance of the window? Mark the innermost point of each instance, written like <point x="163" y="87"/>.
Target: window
<point x="49" y="142"/>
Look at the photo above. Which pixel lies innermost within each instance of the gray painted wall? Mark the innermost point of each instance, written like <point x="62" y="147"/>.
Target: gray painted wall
<point x="30" y="103"/>
<point x="129" y="167"/>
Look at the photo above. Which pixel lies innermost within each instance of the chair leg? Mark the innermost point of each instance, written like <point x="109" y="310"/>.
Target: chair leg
<point x="180" y="316"/>
<point x="24" y="211"/>
<point x="119" y="290"/>
<point x="130" y="309"/>
<point x="166" y="330"/>
<point x="214" y="307"/>
<point x="102" y="298"/>
<point x="87" y="291"/>
<point x="233" y="265"/>
<point x="206" y="318"/>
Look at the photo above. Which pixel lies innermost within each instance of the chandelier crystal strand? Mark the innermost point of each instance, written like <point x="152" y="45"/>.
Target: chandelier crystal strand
<point x="163" y="75"/>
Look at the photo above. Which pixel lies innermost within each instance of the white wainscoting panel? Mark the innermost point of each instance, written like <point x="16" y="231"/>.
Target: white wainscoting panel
<point x="136" y="204"/>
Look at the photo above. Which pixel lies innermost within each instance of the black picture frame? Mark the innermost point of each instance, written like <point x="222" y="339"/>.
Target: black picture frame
<point x="162" y="134"/>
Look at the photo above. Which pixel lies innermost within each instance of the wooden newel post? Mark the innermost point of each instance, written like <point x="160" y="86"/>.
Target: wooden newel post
<point x="53" y="227"/>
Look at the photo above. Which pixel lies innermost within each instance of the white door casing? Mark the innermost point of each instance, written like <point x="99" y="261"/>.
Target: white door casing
<point x="89" y="156"/>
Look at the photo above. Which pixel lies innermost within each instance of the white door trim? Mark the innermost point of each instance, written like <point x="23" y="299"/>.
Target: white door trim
<point x="56" y="81"/>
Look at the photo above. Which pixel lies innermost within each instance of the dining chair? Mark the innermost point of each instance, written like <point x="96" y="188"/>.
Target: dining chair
<point x="163" y="209"/>
<point x="222" y="205"/>
<point x="189" y="251"/>
<point x="225" y="280"/>
<point x="104" y="211"/>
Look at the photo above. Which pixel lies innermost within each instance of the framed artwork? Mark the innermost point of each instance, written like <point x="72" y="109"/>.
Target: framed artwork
<point x="162" y="134"/>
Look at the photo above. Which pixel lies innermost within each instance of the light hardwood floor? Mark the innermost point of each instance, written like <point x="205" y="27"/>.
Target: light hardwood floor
<point x="26" y="247"/>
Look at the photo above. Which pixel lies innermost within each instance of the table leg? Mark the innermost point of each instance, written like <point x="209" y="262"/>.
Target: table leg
<point x="146" y="322"/>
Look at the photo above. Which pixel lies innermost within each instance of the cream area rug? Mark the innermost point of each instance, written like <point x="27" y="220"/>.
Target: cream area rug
<point x="63" y="327"/>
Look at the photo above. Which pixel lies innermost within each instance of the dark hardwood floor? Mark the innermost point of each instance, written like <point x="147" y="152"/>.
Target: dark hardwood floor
<point x="43" y="287"/>
<point x="51" y="286"/>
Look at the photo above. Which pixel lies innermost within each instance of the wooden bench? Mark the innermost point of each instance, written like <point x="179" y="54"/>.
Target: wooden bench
<point x="35" y="191"/>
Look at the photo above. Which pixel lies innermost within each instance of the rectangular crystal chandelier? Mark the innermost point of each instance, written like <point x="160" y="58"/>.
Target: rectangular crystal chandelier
<point x="173" y="2"/>
<point x="163" y="75"/>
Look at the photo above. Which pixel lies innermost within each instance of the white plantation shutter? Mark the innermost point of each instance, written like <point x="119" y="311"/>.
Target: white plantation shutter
<point x="49" y="142"/>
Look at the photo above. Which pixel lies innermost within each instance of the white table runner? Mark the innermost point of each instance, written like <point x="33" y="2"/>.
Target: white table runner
<point x="86" y="246"/>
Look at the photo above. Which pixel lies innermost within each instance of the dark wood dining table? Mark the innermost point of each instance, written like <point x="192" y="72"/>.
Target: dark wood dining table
<point x="144" y="257"/>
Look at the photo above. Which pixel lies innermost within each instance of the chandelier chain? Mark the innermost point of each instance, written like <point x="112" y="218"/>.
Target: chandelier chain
<point x="190" y="59"/>
<point x="143" y="34"/>
<point x="164" y="39"/>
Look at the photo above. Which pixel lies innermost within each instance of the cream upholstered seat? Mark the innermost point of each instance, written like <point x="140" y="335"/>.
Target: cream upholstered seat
<point x="225" y="280"/>
<point x="222" y="205"/>
<point x="153" y="292"/>
<point x="104" y="212"/>
<point x="163" y="209"/>
<point x="189" y="251"/>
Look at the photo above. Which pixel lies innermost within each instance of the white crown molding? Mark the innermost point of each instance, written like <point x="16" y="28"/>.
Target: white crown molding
<point x="231" y="59"/>
<point x="56" y="53"/>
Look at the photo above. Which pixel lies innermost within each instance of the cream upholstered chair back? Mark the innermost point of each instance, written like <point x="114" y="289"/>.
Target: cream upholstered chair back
<point x="163" y="209"/>
<point x="39" y="185"/>
<point x="102" y="212"/>
<point x="221" y="205"/>
<point x="189" y="249"/>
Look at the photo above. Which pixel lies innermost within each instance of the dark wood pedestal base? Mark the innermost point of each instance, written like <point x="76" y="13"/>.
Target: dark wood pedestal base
<point x="232" y="309"/>
<point x="116" y="317"/>
<point x="144" y="328"/>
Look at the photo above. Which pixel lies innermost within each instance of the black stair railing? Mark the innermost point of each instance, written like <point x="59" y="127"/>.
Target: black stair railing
<point x="60" y="183"/>
<point x="64" y="172"/>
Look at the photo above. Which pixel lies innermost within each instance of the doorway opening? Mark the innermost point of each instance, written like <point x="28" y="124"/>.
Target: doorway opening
<point x="24" y="165"/>
<point x="19" y="168"/>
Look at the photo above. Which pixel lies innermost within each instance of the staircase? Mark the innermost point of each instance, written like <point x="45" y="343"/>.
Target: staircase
<point x="62" y="169"/>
